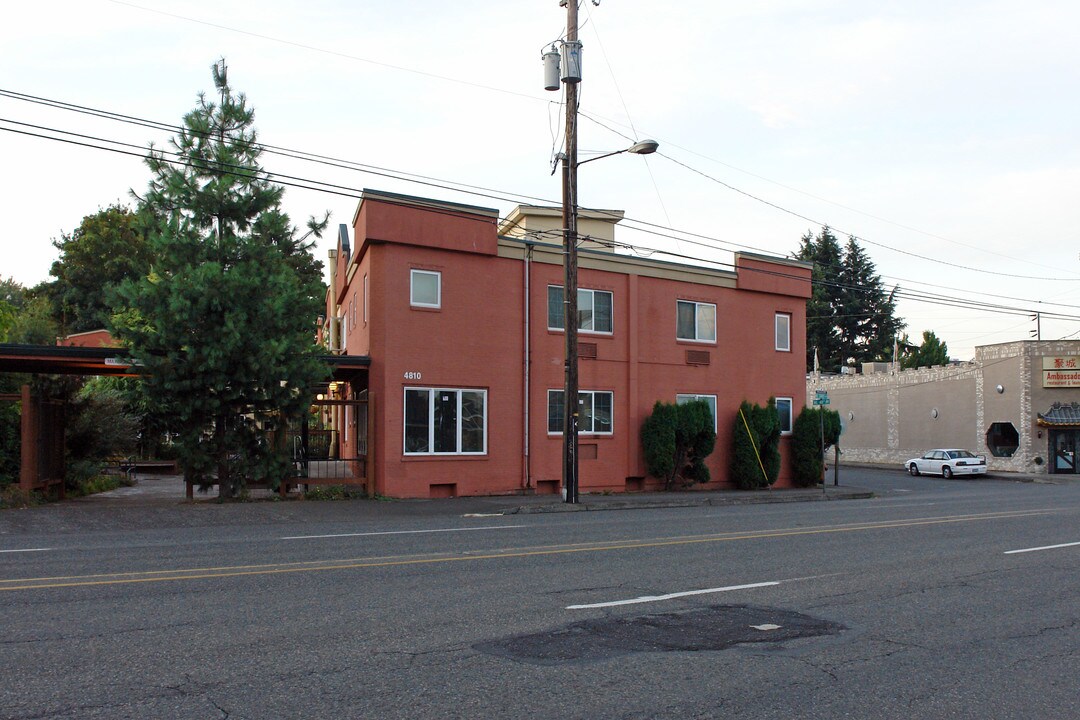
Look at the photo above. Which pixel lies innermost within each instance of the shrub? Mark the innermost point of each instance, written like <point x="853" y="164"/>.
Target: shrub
<point x="333" y="492"/>
<point x="808" y="452"/>
<point x="658" y="440"/>
<point x="676" y="439"/>
<point x="755" y="456"/>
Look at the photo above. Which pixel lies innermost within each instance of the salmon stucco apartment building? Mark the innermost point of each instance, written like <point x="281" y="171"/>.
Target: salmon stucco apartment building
<point x="459" y="314"/>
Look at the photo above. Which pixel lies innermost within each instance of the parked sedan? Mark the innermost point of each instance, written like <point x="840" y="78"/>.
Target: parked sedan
<point x="947" y="462"/>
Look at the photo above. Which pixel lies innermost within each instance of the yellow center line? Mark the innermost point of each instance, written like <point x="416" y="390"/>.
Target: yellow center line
<point x="153" y="576"/>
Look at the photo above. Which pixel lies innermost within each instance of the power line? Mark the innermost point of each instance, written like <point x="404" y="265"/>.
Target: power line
<point x="478" y="190"/>
<point x="356" y="193"/>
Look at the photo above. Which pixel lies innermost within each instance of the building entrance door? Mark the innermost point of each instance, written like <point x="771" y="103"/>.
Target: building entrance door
<point x="1064" y="445"/>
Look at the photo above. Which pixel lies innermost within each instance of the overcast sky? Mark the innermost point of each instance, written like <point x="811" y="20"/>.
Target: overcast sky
<point x="943" y="135"/>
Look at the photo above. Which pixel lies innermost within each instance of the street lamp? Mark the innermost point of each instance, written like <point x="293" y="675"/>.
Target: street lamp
<point x="564" y="68"/>
<point x="570" y="299"/>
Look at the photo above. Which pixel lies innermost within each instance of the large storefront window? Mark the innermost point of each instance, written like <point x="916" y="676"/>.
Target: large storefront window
<point x="441" y="421"/>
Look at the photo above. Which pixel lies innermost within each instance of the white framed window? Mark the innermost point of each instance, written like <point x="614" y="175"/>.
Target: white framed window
<point x="445" y="421"/>
<point x="594" y="310"/>
<point x="711" y="399"/>
<point x="594" y="412"/>
<point x="783" y="409"/>
<point x="696" y="321"/>
<point x="425" y="288"/>
<point x="365" y="299"/>
<point x="783" y="332"/>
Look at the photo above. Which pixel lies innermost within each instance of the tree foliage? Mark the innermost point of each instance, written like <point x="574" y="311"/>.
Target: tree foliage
<point x="755" y="457"/>
<point x="100" y="424"/>
<point x="815" y="431"/>
<point x="931" y="352"/>
<point x="677" y="437"/>
<point x="224" y="322"/>
<point x="107" y="248"/>
<point x="850" y="318"/>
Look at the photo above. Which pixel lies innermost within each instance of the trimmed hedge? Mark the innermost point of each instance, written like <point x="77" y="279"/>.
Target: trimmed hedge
<point x="676" y="439"/>
<point x="755" y="456"/>
<point x="808" y="452"/>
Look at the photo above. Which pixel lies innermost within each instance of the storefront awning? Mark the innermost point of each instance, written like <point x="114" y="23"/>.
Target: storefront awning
<point x="1063" y="415"/>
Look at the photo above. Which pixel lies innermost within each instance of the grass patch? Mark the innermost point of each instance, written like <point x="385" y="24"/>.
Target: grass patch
<point x="334" y="492"/>
<point x="13" y="497"/>
<point x="99" y="484"/>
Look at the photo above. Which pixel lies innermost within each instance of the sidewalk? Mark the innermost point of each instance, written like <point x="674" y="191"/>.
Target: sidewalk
<point x="519" y="504"/>
<point x="169" y="490"/>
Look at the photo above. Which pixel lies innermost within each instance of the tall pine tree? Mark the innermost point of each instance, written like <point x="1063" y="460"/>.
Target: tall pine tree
<point x="867" y="321"/>
<point x="224" y="321"/>
<point x="850" y="319"/>
<point x="822" y="336"/>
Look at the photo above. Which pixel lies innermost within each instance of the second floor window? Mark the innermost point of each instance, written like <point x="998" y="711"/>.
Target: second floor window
<point x="783" y="332"/>
<point x="696" y="321"/>
<point x="594" y="310"/>
<point x="425" y="288"/>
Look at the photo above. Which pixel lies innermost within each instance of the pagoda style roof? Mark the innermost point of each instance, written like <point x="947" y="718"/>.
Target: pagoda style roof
<point x="1061" y="415"/>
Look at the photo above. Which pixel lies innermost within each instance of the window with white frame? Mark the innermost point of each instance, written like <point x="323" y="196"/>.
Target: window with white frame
<point x="783" y="332"/>
<point x="365" y="299"/>
<point x="594" y="412"/>
<point x="594" y="310"/>
<point x="443" y="421"/>
<point x="696" y="321"/>
<point x="710" y="399"/>
<point x="783" y="410"/>
<point x="425" y="288"/>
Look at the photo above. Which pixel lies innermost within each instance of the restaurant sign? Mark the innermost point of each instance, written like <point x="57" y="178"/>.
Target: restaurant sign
<point x="1061" y="371"/>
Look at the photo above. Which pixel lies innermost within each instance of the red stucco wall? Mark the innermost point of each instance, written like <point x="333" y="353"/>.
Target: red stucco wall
<point x="476" y="340"/>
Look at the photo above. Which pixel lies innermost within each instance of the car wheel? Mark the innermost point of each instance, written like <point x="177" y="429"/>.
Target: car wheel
<point x="913" y="469"/>
<point x="946" y="472"/>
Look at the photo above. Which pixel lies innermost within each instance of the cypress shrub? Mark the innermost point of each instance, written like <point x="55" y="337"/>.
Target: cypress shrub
<point x="658" y="441"/>
<point x="755" y="457"/>
<point x="808" y="452"/>
<point x="676" y="439"/>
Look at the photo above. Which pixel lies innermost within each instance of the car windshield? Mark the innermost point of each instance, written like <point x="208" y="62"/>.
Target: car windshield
<point x="960" y="454"/>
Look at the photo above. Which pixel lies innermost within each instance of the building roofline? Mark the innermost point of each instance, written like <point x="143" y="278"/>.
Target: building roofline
<point x="775" y="259"/>
<point x="420" y="202"/>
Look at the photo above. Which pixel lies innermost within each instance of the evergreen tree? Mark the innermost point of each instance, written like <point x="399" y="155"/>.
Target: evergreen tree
<point x="815" y="431"/>
<point x="867" y="319"/>
<point x="850" y="318"/>
<point x="826" y="297"/>
<point x="755" y="456"/>
<point x="223" y="324"/>
<point x="932" y="352"/>
<point x="677" y="437"/>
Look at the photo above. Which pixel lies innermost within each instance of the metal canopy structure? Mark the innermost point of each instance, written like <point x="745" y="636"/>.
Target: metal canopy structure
<point x="73" y="360"/>
<point x="42" y="424"/>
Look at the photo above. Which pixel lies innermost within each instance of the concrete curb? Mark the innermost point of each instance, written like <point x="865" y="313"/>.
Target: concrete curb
<point x="643" y="503"/>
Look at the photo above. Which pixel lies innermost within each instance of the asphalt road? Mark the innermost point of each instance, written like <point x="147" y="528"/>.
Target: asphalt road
<point x="934" y="599"/>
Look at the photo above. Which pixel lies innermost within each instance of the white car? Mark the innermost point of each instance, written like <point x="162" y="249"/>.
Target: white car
<point x="947" y="462"/>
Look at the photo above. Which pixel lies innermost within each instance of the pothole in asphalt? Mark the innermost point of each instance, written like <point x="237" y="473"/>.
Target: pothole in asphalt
<point x="711" y="628"/>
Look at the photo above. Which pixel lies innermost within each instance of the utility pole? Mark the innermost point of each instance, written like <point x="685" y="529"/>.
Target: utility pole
<point x="571" y="51"/>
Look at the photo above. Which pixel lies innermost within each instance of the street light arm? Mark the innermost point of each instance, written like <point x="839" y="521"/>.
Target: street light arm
<point x="642" y="147"/>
